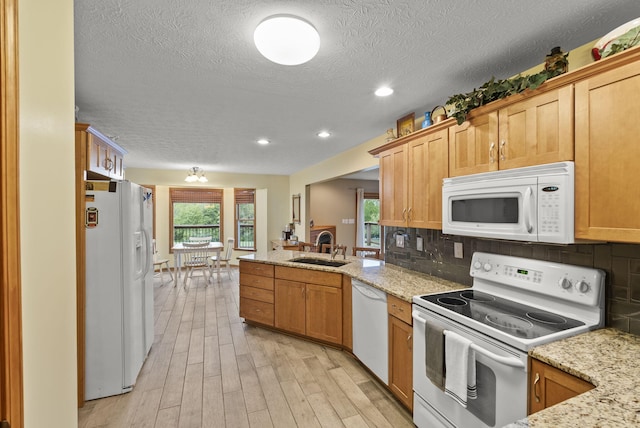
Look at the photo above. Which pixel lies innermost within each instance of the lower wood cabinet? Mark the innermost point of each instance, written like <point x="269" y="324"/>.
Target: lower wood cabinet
<point x="256" y="292"/>
<point x="549" y="385"/>
<point x="309" y="303"/>
<point x="400" y="350"/>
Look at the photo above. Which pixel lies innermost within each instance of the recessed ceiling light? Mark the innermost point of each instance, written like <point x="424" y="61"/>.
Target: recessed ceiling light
<point x="286" y="39"/>
<point x="384" y="91"/>
<point x="263" y="141"/>
<point x="324" y="134"/>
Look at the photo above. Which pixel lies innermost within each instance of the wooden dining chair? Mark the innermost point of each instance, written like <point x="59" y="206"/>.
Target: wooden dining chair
<point x="339" y="248"/>
<point x="196" y="257"/>
<point x="366" y="252"/>
<point x="224" y="258"/>
<point x="307" y="246"/>
<point x="160" y="264"/>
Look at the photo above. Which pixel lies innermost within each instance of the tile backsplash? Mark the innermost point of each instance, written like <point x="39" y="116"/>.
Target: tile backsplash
<point x="621" y="262"/>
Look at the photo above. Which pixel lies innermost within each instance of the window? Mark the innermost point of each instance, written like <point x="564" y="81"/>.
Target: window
<point x="245" y="221"/>
<point x="371" y="218"/>
<point x="195" y="213"/>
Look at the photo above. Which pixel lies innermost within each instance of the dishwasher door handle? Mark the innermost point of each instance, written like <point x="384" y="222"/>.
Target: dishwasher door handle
<point x="367" y="292"/>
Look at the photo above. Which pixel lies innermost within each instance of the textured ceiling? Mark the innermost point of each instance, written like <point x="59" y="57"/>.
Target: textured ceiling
<point x="179" y="83"/>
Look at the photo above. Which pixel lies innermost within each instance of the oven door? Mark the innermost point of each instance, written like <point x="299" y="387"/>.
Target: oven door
<point x="501" y="378"/>
<point x="499" y="209"/>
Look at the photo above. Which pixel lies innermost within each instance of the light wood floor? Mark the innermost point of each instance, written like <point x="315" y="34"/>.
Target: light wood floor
<point x="207" y="368"/>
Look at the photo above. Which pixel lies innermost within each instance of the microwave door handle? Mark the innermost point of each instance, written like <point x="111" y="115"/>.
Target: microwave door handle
<point x="527" y="207"/>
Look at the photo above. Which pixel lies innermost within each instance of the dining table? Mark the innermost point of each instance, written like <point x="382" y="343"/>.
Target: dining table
<point x="214" y="248"/>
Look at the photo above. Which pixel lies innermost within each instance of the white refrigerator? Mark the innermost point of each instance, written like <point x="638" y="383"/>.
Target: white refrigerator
<point x="119" y="285"/>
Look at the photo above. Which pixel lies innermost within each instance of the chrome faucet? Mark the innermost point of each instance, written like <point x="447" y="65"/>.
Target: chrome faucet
<point x="331" y="242"/>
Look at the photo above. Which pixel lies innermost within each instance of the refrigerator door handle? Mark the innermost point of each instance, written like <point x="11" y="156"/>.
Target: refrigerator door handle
<point x="147" y="257"/>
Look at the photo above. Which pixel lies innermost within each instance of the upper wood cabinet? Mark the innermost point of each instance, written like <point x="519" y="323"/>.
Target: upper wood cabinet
<point x="549" y="386"/>
<point x="393" y="186"/>
<point x="411" y="181"/>
<point x="521" y="130"/>
<point x="608" y="154"/>
<point x="473" y="145"/>
<point x="105" y="159"/>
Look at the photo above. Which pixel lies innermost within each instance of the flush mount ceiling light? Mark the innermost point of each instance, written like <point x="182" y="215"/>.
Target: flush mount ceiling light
<point x="324" y="134"/>
<point x="196" y="174"/>
<point x="384" y="91"/>
<point x="286" y="39"/>
<point x="263" y="141"/>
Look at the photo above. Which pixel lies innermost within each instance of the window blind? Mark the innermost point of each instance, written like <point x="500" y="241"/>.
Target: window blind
<point x="195" y="195"/>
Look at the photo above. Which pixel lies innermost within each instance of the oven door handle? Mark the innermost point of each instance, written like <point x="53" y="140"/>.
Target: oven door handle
<point x="507" y="361"/>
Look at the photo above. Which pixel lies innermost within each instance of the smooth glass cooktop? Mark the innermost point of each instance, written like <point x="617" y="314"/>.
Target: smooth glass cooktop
<point x="505" y="315"/>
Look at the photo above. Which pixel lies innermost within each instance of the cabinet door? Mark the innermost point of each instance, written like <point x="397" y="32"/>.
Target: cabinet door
<point x="473" y="145"/>
<point x="537" y="130"/>
<point x="549" y="386"/>
<point x="437" y="169"/>
<point x="290" y="305"/>
<point x="117" y="163"/>
<point x="401" y="360"/>
<point x="393" y="187"/>
<point x="324" y="313"/>
<point x="608" y="155"/>
<point x="428" y="164"/>
<point x="417" y="178"/>
<point x="97" y="155"/>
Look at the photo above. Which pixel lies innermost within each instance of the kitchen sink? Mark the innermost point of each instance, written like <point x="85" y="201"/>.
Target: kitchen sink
<point x="321" y="262"/>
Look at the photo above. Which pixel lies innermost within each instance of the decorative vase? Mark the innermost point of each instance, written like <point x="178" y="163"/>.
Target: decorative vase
<point x="427" y="119"/>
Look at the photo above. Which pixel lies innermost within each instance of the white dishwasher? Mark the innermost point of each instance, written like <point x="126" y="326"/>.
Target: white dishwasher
<point x="370" y="328"/>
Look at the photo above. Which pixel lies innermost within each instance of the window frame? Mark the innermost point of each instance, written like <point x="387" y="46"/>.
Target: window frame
<point x="240" y="196"/>
<point x="372" y="196"/>
<point x="185" y="195"/>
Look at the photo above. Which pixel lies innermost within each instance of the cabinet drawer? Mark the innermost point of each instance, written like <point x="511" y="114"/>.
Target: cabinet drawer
<point x="253" y="310"/>
<point x="256" y="281"/>
<point x="309" y="276"/>
<point x="261" y="269"/>
<point x="399" y="309"/>
<point x="256" y="294"/>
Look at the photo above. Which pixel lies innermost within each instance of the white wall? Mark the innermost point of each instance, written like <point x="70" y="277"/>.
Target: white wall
<point x="47" y="212"/>
<point x="352" y="160"/>
<point x="274" y="216"/>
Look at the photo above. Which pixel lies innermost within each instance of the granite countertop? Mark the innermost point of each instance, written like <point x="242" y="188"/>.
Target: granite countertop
<point x="607" y="358"/>
<point x="399" y="282"/>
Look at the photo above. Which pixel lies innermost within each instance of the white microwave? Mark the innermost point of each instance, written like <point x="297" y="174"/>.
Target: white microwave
<point x="534" y="204"/>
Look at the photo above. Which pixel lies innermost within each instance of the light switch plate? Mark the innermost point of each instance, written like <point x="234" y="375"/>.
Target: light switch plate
<point x="457" y="250"/>
<point x="400" y="241"/>
<point x="419" y="243"/>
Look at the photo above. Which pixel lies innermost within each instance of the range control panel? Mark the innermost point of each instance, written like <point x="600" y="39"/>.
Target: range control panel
<point x="569" y="282"/>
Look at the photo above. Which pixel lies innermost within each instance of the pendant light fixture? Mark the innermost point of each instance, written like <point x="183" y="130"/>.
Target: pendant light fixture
<point x="286" y="39"/>
<point x="196" y="174"/>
